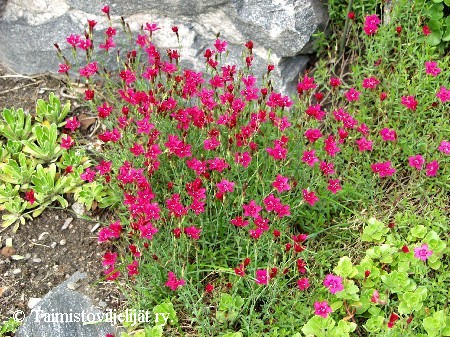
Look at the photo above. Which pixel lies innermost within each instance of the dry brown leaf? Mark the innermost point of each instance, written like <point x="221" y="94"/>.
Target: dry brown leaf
<point x="86" y="121"/>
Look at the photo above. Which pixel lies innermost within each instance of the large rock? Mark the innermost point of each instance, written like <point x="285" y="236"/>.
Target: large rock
<point x="62" y="312"/>
<point x="281" y="29"/>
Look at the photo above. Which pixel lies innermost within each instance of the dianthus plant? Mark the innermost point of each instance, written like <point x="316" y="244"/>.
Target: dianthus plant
<point x="220" y="181"/>
<point x="203" y="167"/>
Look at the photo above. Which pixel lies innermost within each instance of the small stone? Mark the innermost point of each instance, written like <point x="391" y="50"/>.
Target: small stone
<point x="72" y="286"/>
<point x="78" y="208"/>
<point x="66" y="223"/>
<point x="33" y="301"/>
<point x="16" y="271"/>
<point x="96" y="226"/>
<point x="8" y="251"/>
<point x="27" y="256"/>
<point x="56" y="217"/>
<point x="53" y="245"/>
<point x="42" y="236"/>
<point x="63" y="242"/>
<point x="37" y="260"/>
<point x="3" y="290"/>
<point x="102" y="304"/>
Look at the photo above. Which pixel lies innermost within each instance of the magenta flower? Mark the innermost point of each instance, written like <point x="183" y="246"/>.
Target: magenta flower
<point x="371" y="24"/>
<point x="105" y="9"/>
<point x="432" y="69"/>
<point x="388" y="134"/>
<point x="422" y="252"/>
<point x="303" y="283"/>
<point x="384" y="169"/>
<point x="432" y="168"/>
<point x="444" y="147"/>
<point x="110" y="32"/>
<point x="109" y="43"/>
<point x="84" y="44"/>
<point x="372" y="20"/>
<point x="72" y="123"/>
<point x="322" y="309"/>
<point x="73" y="40"/>
<point x="151" y="27"/>
<point x="315" y="111"/>
<point x="193" y="232"/>
<point x="313" y="134"/>
<point x="256" y="233"/>
<point x="363" y="129"/>
<point x="335" y="82"/>
<point x="147" y="231"/>
<point x="330" y="146"/>
<point x="271" y="202"/>
<point x="282" y="210"/>
<point x="225" y="186"/>
<point x="133" y="268"/>
<point x="217" y="164"/>
<point x="239" y="222"/>
<point x="89" y="70"/>
<point x="443" y="94"/>
<point x="262" y="223"/>
<point x="334" y="185"/>
<point x="262" y="276"/>
<point x="370" y="83"/>
<point x="306" y="84"/>
<point x="29" y="196"/>
<point x="109" y="259"/>
<point x="67" y="142"/>
<point x="173" y="283"/>
<point x="252" y="209"/>
<point x="281" y="184"/>
<point x="333" y="283"/>
<point x="144" y="125"/>
<point x="352" y="95"/>
<point x="278" y="152"/>
<point x="243" y="159"/>
<point x="309" y="157"/>
<point x="364" y="144"/>
<point x="310" y="197"/>
<point x="211" y="144"/>
<point x="88" y="175"/>
<point x="375" y="297"/>
<point x="175" y="206"/>
<point x="327" y="168"/>
<point x="416" y="161"/>
<point x="63" y="68"/>
<point x="104" y="167"/>
<point x="410" y="102"/>
<point x="104" y="110"/>
<point x="221" y="46"/>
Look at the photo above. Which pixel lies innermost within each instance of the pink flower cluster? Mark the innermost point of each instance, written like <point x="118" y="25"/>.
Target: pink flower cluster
<point x="371" y="24"/>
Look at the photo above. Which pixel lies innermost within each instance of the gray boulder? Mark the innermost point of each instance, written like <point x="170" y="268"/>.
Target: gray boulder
<point x="61" y="313"/>
<point x="280" y="29"/>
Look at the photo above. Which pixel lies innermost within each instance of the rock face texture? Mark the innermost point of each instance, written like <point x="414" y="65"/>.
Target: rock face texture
<point x="62" y="313"/>
<point x="280" y="29"/>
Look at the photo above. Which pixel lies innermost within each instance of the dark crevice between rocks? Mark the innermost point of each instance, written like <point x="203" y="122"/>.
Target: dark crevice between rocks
<point x="2" y="7"/>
